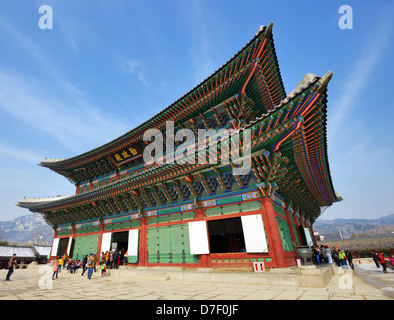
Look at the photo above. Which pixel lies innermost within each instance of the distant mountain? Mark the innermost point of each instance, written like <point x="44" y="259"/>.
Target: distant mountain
<point x="346" y="228"/>
<point x="31" y="227"/>
<point x="25" y="229"/>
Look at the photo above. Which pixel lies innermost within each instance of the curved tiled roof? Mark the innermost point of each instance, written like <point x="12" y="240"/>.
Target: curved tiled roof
<point x="240" y="61"/>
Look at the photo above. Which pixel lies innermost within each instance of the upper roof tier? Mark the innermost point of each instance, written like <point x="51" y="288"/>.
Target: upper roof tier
<point x="253" y="72"/>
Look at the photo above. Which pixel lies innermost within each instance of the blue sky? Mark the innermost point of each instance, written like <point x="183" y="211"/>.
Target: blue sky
<point x="106" y="66"/>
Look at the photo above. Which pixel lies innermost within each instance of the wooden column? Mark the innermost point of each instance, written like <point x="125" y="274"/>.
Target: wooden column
<point x="297" y="224"/>
<point x="143" y="250"/>
<point x="290" y="224"/>
<point x="50" y="252"/>
<point x="100" y="238"/>
<point x="273" y="235"/>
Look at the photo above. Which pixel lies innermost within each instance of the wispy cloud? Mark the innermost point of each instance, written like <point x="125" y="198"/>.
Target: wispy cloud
<point x="135" y="68"/>
<point x="21" y="154"/>
<point x="201" y="55"/>
<point x="32" y="49"/>
<point x="65" y="112"/>
<point x="63" y="118"/>
<point x="360" y="73"/>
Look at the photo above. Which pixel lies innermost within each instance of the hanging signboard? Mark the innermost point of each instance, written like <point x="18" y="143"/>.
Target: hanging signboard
<point x="126" y="154"/>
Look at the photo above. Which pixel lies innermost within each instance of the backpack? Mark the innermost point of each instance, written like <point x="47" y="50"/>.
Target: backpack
<point x="90" y="262"/>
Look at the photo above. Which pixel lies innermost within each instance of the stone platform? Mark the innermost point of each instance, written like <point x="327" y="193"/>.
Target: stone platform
<point x="306" y="283"/>
<point x="306" y="276"/>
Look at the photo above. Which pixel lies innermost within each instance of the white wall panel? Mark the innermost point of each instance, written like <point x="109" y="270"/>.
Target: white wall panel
<point x="198" y="236"/>
<point x="133" y="244"/>
<point x="106" y="242"/>
<point x="55" y="246"/>
<point x="308" y="237"/>
<point x="254" y="233"/>
<point x="70" y="241"/>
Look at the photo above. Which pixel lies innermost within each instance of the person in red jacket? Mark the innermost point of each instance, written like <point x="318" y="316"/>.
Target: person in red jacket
<point x="382" y="261"/>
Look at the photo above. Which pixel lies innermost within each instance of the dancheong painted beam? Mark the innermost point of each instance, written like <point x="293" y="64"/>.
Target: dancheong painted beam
<point x="247" y="190"/>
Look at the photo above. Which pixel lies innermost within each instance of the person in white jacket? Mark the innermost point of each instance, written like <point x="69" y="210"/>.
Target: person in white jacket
<point x="328" y="253"/>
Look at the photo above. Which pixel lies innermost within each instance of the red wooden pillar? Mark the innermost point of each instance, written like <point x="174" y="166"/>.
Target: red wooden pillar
<point x="100" y="238"/>
<point x="50" y="253"/>
<point x="143" y="249"/>
<point x="275" y="241"/>
<point x="290" y="224"/>
<point x="297" y="224"/>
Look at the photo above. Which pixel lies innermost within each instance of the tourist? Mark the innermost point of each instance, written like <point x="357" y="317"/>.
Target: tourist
<point x="375" y="258"/>
<point x="349" y="258"/>
<point x="316" y="254"/>
<point x="90" y="265"/>
<point x="125" y="257"/>
<point x="71" y="266"/>
<point x="335" y="256"/>
<point x="11" y="265"/>
<point x="342" y="257"/>
<point x="328" y="254"/>
<point x="59" y="268"/>
<point x="84" y="262"/>
<point x="75" y="265"/>
<point x="79" y="264"/>
<point x="323" y="254"/>
<point x="382" y="262"/>
<point x="68" y="264"/>
<point x="66" y="258"/>
<point x="121" y="260"/>
<point x="391" y="259"/>
<point x="55" y="268"/>
<point x="111" y="258"/>
<point x="107" y="258"/>
<point x="115" y="258"/>
<point x="103" y="268"/>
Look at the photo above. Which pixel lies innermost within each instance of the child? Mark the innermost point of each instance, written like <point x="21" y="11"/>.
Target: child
<point x="103" y="268"/>
<point x="55" y="268"/>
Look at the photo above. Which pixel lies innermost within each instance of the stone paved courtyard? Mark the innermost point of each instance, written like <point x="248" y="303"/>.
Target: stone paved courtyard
<point x="366" y="283"/>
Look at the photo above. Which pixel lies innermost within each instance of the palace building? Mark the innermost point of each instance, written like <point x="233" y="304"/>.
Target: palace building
<point x="201" y="213"/>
